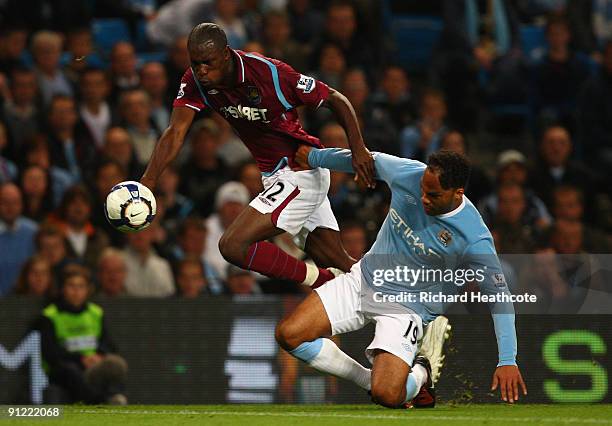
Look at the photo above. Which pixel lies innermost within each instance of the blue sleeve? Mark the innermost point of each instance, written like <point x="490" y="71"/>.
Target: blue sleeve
<point x="388" y="167"/>
<point x="482" y="256"/>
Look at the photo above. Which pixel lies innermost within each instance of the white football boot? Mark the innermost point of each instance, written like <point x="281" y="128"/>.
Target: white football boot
<point x="432" y="345"/>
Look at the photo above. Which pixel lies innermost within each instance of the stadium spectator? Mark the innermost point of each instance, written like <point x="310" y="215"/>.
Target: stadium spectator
<point x="250" y="176"/>
<point x="476" y="36"/>
<point x="16" y="236"/>
<point x="112" y="273"/>
<point x="230" y="200"/>
<point x="479" y="184"/>
<point x="226" y="14"/>
<point x="36" y="153"/>
<point x="108" y="173"/>
<point x="174" y="19"/>
<point x="512" y="169"/>
<point x="118" y="146"/>
<point x="341" y="29"/>
<point x="354" y="239"/>
<point x="422" y="139"/>
<point x="558" y="76"/>
<point x="75" y="343"/>
<point x="190" y="278"/>
<point x="176" y="64"/>
<point x="85" y="242"/>
<point x="395" y="97"/>
<point x="36" y="279"/>
<point x="568" y="205"/>
<point x="378" y="129"/>
<point x="8" y="169"/>
<point x="52" y="245"/>
<point x="278" y="43"/>
<point x="154" y="81"/>
<point x="590" y="26"/>
<point x="123" y="72"/>
<point x="136" y="109"/>
<point x="595" y="116"/>
<point x="37" y="193"/>
<point x="191" y="243"/>
<point x="80" y="54"/>
<point x="331" y="65"/>
<point x="148" y="274"/>
<point x="46" y="52"/>
<point x="305" y="20"/>
<point x="240" y="281"/>
<point x="556" y="167"/>
<point x="204" y="171"/>
<point x="22" y="113"/>
<point x="94" y="110"/>
<point x="69" y="144"/>
<point x="254" y="46"/>
<point x="177" y="207"/>
<point x="514" y="235"/>
<point x="13" y="43"/>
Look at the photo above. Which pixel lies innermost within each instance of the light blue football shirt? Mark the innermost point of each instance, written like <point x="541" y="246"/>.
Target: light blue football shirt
<point x="446" y="245"/>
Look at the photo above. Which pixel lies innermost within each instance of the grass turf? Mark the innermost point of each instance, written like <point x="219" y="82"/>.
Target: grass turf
<point x="320" y="415"/>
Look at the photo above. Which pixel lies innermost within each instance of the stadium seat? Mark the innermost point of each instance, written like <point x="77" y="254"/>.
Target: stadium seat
<point x="415" y="38"/>
<point x="108" y="32"/>
<point x="533" y="41"/>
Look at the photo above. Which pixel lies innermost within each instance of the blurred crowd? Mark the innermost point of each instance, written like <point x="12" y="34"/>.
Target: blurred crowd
<point x="78" y="117"/>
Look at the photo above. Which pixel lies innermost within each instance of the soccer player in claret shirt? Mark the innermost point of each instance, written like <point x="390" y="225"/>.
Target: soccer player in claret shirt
<point x="258" y="96"/>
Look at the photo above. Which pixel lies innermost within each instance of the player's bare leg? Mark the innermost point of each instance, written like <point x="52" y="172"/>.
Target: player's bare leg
<point x="244" y="245"/>
<point x="325" y="247"/>
<point x="301" y="334"/>
<point x="395" y="384"/>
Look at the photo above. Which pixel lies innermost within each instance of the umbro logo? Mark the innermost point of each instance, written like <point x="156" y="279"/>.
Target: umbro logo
<point x="410" y="199"/>
<point x="213" y="92"/>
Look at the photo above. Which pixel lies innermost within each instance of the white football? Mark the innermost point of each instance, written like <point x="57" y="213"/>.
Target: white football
<point x="130" y="206"/>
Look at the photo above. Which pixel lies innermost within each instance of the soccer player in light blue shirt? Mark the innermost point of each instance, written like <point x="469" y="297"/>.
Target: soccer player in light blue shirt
<point x="433" y="242"/>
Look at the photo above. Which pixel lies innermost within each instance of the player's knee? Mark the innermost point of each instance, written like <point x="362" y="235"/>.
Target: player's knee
<point x="231" y="249"/>
<point x="287" y="335"/>
<point x="385" y="396"/>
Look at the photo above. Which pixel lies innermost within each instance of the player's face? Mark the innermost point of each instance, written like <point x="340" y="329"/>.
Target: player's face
<point x="437" y="200"/>
<point x="210" y="64"/>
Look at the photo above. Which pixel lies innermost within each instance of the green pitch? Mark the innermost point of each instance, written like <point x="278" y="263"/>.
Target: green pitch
<point x="320" y="415"/>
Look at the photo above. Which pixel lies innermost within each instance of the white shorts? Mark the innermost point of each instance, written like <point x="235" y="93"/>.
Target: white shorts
<point x="395" y="333"/>
<point x="297" y="200"/>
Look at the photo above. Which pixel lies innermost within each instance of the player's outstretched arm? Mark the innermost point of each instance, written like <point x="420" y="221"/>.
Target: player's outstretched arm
<point x="362" y="161"/>
<point x="168" y="145"/>
<point x="387" y="167"/>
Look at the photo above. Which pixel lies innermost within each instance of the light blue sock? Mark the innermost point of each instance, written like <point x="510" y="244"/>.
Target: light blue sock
<point x="412" y="388"/>
<point x="307" y="351"/>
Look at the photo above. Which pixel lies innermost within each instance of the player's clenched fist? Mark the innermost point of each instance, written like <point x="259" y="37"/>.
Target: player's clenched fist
<point x="301" y="157"/>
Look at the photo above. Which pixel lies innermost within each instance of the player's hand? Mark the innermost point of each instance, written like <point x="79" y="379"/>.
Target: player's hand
<point x="363" y="165"/>
<point x="508" y="378"/>
<point x="301" y="157"/>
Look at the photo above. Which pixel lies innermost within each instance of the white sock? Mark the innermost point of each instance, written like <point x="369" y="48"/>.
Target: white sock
<point x="330" y="359"/>
<point x="416" y="379"/>
<point x="312" y="273"/>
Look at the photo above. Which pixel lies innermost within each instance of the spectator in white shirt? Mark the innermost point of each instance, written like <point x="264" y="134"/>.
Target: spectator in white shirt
<point x="148" y="275"/>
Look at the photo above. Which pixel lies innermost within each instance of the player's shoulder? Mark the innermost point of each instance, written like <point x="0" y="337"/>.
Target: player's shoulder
<point x="257" y="63"/>
<point x="188" y="76"/>
<point x="470" y="222"/>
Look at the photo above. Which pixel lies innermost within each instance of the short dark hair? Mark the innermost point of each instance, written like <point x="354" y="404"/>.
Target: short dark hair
<point x="205" y="32"/>
<point x="453" y="169"/>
